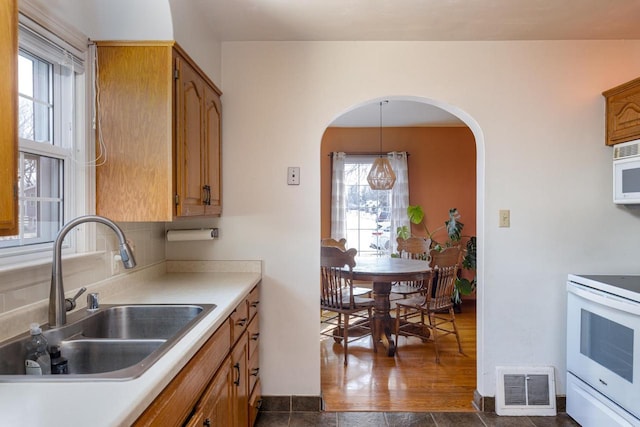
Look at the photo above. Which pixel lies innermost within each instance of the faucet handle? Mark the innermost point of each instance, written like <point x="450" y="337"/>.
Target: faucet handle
<point x="70" y="303"/>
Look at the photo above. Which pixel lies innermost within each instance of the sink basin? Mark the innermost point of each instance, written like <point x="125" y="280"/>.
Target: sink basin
<point x="140" y="321"/>
<point x="116" y="342"/>
<point x="99" y="356"/>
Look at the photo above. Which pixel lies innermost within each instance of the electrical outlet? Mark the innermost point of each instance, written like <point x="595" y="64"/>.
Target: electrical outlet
<point x="116" y="263"/>
<point x="504" y="218"/>
<point x="293" y="176"/>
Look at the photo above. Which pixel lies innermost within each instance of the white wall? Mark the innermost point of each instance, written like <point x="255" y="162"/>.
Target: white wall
<point x="535" y="107"/>
<point x="540" y="114"/>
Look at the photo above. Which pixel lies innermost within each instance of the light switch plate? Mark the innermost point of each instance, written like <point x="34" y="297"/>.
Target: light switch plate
<point x="293" y="175"/>
<point x="504" y="218"/>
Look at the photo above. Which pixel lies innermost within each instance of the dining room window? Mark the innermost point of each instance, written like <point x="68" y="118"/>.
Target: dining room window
<point x="367" y="218"/>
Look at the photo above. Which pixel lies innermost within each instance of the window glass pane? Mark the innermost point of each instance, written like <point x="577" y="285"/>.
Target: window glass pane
<point x="368" y="221"/>
<point x="41" y="221"/>
<point x="40" y="194"/>
<point x="35" y="98"/>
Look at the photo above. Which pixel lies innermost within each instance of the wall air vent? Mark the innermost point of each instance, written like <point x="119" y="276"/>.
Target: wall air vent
<point x="525" y="391"/>
<point x="628" y="149"/>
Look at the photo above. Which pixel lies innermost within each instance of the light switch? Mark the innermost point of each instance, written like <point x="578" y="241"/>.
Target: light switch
<point x="505" y="218"/>
<point x="293" y="175"/>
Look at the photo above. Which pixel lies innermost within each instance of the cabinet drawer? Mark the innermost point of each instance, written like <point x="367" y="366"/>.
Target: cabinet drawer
<point x="254" y="336"/>
<point x="254" y="301"/>
<point x="239" y="320"/>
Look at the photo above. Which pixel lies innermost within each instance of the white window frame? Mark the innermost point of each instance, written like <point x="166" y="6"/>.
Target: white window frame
<point x="46" y="40"/>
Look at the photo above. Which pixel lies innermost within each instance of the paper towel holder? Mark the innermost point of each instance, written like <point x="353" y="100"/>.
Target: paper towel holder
<point x="191" y="234"/>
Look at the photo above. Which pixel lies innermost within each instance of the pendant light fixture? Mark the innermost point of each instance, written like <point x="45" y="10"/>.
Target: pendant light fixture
<point x="381" y="176"/>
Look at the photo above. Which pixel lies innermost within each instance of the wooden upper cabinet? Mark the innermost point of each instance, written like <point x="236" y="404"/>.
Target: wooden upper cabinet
<point x="9" y="118"/>
<point x="152" y="116"/>
<point x="623" y="112"/>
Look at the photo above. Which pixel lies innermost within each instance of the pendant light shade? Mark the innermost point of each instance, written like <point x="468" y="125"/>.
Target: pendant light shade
<point x="381" y="175"/>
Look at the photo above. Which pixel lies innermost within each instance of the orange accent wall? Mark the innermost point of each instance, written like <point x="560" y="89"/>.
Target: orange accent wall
<point x="442" y="169"/>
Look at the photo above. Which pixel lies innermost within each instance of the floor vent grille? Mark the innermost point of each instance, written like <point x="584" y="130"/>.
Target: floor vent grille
<point x="525" y="391"/>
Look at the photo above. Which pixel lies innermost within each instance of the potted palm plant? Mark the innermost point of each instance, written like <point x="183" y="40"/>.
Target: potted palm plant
<point x="453" y="228"/>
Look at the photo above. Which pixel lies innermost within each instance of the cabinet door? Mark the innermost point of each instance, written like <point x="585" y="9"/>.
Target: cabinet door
<point x="134" y="177"/>
<point x="8" y="118"/>
<point x="240" y="383"/>
<point x="212" y="137"/>
<point x="216" y="403"/>
<point x="190" y="172"/>
<point x="623" y="112"/>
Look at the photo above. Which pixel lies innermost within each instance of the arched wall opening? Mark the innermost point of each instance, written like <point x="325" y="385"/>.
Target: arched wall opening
<point x="446" y="169"/>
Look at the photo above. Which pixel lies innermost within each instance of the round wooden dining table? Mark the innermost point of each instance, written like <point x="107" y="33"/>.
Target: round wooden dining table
<point x="383" y="271"/>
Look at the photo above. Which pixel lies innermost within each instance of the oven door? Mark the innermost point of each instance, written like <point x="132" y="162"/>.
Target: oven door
<point x="603" y="344"/>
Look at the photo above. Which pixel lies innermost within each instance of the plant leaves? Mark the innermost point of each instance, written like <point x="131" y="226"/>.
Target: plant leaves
<point x="403" y="232"/>
<point x="416" y="214"/>
<point x="454" y="227"/>
<point x="465" y="286"/>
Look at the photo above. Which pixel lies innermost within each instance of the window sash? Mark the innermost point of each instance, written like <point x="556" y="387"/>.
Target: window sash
<point x="67" y="65"/>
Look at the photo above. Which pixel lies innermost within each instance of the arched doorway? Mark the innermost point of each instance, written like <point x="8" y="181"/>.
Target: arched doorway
<point x="445" y="170"/>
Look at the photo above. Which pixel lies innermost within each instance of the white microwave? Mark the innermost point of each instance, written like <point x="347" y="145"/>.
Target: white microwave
<point x="626" y="173"/>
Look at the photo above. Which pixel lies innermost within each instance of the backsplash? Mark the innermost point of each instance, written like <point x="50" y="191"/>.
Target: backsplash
<point x="26" y="285"/>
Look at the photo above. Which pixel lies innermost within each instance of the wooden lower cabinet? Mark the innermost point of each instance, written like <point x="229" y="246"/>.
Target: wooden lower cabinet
<point x="215" y="407"/>
<point x="220" y="384"/>
<point x="225" y="402"/>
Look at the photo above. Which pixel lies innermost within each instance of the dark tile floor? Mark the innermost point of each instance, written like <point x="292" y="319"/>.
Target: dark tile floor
<point x="406" y="419"/>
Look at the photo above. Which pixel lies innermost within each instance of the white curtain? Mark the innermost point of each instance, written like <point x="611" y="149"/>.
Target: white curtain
<point x="399" y="195"/>
<point x="338" y="198"/>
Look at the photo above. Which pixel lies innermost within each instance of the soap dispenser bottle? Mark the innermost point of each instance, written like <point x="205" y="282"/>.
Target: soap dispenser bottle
<point x="37" y="360"/>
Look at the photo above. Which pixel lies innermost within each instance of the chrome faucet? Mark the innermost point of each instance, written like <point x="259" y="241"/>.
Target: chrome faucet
<point x="57" y="305"/>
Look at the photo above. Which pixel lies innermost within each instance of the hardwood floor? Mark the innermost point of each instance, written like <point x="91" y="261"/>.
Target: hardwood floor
<point x="409" y="382"/>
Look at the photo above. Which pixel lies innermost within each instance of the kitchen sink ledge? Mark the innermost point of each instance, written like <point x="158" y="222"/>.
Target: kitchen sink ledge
<point x="113" y="403"/>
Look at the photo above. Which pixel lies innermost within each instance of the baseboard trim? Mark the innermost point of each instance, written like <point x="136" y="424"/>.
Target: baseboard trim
<point x="316" y="403"/>
<point x="488" y="403"/>
<point x="291" y="404"/>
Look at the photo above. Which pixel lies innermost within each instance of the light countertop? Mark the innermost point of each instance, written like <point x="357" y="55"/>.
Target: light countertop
<point x="114" y="403"/>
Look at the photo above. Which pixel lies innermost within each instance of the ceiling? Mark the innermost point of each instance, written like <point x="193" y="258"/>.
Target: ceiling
<point x="307" y="20"/>
<point x="418" y="20"/>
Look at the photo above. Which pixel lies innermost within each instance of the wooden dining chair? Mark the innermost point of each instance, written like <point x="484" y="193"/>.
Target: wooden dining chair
<point x="412" y="248"/>
<point x="342" y="244"/>
<point x="336" y="268"/>
<point x="435" y="304"/>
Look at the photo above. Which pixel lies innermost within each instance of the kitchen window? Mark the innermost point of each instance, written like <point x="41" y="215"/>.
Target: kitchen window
<point x="52" y="167"/>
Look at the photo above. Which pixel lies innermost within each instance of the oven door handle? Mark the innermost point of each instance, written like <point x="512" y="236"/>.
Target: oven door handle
<point x="606" y="300"/>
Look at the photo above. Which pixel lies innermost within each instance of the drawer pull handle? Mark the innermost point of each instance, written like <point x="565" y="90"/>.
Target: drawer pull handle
<point x="207" y="422"/>
<point x="237" y="368"/>
<point x="255" y="304"/>
<point x="254" y="372"/>
<point x="255" y="336"/>
<point x="242" y="322"/>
